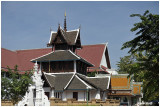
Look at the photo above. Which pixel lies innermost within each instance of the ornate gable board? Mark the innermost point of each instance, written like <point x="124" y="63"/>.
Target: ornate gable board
<point x="78" y="40"/>
<point x="107" y="58"/>
<point x="59" y="38"/>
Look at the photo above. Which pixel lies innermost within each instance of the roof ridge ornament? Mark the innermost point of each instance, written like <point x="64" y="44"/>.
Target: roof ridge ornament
<point x="65" y="25"/>
<point x="80" y="26"/>
<point x="50" y="29"/>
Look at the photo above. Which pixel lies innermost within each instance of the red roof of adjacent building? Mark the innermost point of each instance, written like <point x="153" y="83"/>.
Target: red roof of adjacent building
<point x="8" y="58"/>
<point x="91" y="53"/>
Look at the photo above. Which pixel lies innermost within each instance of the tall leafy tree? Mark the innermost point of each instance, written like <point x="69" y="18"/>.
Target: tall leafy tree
<point x="146" y="48"/>
<point x="15" y="85"/>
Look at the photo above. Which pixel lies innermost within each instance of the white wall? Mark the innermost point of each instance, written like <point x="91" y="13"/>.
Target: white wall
<point x="81" y="94"/>
<point x="103" y="61"/>
<point x="30" y="94"/>
<point x="47" y="89"/>
<point x="69" y="94"/>
<point x="64" y="98"/>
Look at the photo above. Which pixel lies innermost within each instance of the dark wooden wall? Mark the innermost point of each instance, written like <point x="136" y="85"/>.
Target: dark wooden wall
<point x="81" y="67"/>
<point x="58" y="66"/>
<point x="64" y="47"/>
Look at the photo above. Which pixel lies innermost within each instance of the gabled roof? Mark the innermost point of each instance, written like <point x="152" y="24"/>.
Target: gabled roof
<point x="77" y="83"/>
<point x="69" y="36"/>
<point x="60" y="55"/>
<point x="136" y="88"/>
<point x="98" y="82"/>
<point x="66" y="81"/>
<point x="120" y="82"/>
<point x="91" y="53"/>
<point x="58" y="81"/>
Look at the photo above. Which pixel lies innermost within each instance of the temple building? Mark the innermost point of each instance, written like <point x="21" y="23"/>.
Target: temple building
<point x="60" y="71"/>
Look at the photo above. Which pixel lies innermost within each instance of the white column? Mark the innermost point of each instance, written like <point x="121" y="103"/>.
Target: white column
<point x="52" y="93"/>
<point x="98" y="94"/>
<point x="104" y="96"/>
<point x="40" y="67"/>
<point x="74" y="66"/>
<point x="64" y="96"/>
<point x="36" y="67"/>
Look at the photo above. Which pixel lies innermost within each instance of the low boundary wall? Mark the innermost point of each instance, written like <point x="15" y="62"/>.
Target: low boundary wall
<point x="93" y="102"/>
<point x="6" y="103"/>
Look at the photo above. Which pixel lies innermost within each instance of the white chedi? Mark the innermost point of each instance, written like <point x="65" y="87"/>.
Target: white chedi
<point x="35" y="95"/>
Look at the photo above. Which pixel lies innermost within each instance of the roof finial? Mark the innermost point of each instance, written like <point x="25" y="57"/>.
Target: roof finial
<point x="65" y="25"/>
<point x="65" y="13"/>
<point x="50" y="29"/>
<point x="80" y="27"/>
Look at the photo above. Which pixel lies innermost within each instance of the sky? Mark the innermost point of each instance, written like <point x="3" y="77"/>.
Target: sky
<point x="26" y="24"/>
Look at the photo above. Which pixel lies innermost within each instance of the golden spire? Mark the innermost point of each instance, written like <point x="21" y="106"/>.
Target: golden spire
<point x="65" y="13"/>
<point x="65" y="25"/>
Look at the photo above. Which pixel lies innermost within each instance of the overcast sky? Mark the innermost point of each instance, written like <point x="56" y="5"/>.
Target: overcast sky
<point x="26" y="25"/>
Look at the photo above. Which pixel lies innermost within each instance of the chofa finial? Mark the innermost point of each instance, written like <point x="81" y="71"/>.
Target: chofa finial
<point x="50" y="29"/>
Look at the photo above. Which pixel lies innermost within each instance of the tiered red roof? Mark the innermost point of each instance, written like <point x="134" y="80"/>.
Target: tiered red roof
<point x="92" y="53"/>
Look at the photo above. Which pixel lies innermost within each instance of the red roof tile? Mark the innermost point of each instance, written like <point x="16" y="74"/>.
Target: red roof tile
<point x="92" y="53"/>
<point x="24" y="57"/>
<point x="103" y="67"/>
<point x="8" y="58"/>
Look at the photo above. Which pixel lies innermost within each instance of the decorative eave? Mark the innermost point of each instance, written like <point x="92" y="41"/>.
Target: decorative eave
<point x="60" y="55"/>
<point x="69" y="36"/>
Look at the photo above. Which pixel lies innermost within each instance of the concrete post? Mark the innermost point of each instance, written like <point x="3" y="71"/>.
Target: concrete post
<point x="104" y="96"/>
<point x="75" y="66"/>
<point x="52" y="93"/>
<point x="98" y="94"/>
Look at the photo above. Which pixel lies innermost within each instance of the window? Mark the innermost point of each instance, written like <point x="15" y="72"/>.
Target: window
<point x="58" y="95"/>
<point x="75" y="95"/>
<point x="47" y="94"/>
<point x="117" y="98"/>
<point x="125" y="99"/>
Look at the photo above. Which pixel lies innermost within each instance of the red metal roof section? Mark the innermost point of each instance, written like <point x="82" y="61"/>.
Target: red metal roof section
<point x="8" y="58"/>
<point x="103" y="67"/>
<point x="24" y="57"/>
<point x="92" y="53"/>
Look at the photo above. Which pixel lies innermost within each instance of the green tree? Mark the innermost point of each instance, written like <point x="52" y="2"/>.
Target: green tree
<point x="146" y="48"/>
<point x="125" y="65"/>
<point x="128" y="64"/>
<point x="91" y="74"/>
<point x="14" y="86"/>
